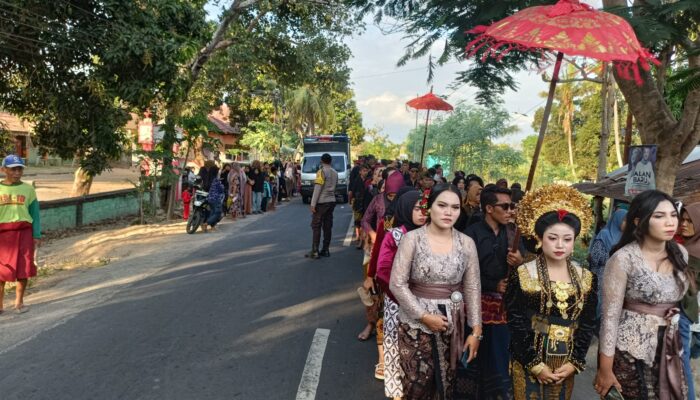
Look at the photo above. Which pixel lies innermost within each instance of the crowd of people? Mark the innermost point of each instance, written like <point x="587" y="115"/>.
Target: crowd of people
<point x="472" y="290"/>
<point x="238" y="190"/>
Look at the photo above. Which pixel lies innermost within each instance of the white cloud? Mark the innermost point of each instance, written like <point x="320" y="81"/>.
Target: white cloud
<point x="388" y="110"/>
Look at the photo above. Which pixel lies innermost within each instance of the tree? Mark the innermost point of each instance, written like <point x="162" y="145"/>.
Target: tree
<point x="379" y="145"/>
<point x="267" y="138"/>
<point x="76" y="71"/>
<point x="7" y="144"/>
<point x="667" y="118"/>
<point x="309" y="111"/>
<point x="466" y="138"/>
<point x="348" y="119"/>
<point x="672" y="30"/>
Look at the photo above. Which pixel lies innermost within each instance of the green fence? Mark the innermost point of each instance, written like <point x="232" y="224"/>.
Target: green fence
<point x="78" y="211"/>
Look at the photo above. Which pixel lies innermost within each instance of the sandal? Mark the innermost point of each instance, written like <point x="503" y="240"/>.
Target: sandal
<point x="379" y="371"/>
<point x="21" y="309"/>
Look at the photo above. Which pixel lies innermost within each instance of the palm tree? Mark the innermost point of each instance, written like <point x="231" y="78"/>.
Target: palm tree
<point x="309" y="111"/>
<point x="566" y="116"/>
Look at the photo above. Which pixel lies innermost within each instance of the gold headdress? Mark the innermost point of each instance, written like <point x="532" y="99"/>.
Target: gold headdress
<point x="563" y="199"/>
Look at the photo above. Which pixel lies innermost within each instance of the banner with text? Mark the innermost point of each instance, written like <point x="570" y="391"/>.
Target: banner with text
<point x="641" y="169"/>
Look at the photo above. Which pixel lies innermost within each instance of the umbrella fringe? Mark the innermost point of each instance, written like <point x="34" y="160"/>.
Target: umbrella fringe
<point x="637" y="76"/>
<point x="495" y="49"/>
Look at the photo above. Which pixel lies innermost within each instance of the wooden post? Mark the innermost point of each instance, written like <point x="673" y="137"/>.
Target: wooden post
<point x="425" y="136"/>
<point x="628" y="135"/>
<point x="543" y="126"/>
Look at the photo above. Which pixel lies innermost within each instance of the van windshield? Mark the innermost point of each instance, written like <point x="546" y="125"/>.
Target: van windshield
<point x="313" y="163"/>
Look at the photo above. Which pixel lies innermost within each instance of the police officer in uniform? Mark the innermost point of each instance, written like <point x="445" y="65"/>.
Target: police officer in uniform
<point x="322" y="206"/>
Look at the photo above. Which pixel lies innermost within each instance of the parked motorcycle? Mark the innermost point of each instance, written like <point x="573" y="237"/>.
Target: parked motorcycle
<point x="200" y="210"/>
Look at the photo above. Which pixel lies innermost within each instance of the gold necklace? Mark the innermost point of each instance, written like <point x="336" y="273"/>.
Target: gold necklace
<point x="561" y="291"/>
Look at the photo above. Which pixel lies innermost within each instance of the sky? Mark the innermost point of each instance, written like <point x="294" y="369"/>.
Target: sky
<point x="382" y="89"/>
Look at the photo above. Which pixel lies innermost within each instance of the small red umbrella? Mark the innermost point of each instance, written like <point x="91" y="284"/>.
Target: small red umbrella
<point x="428" y="102"/>
<point x="568" y="27"/>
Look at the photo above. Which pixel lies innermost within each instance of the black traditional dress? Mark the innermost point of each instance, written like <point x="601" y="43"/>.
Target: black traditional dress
<point x="551" y="322"/>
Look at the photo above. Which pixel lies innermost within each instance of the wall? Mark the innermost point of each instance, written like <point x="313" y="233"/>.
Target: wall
<point x="78" y="211"/>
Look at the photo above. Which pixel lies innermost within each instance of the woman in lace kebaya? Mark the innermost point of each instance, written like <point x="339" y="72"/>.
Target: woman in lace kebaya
<point x="550" y="301"/>
<point x="645" y="279"/>
<point x="435" y="279"/>
<point x="407" y="216"/>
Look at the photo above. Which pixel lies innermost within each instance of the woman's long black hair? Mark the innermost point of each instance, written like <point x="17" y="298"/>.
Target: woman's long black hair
<point x="641" y="209"/>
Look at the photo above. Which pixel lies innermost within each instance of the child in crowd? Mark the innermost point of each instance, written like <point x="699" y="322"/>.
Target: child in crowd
<point x="186" y="199"/>
<point x="267" y="193"/>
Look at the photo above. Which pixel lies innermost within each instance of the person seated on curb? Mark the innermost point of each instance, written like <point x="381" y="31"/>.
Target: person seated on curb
<point x="20" y="230"/>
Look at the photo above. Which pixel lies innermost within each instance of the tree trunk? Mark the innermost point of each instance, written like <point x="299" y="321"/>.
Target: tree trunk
<point x="675" y="138"/>
<point x="616" y="128"/>
<point x="82" y="183"/>
<point x="605" y="92"/>
<point x="605" y="126"/>
<point x="628" y="135"/>
<point x="597" y="212"/>
<point x="667" y="164"/>
<point x="570" y="140"/>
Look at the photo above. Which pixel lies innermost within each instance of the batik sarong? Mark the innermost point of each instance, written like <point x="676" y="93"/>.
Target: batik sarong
<point x="425" y="362"/>
<point x="392" y="362"/>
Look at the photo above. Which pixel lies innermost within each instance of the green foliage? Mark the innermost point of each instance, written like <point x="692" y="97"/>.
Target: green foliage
<point x="267" y="137"/>
<point x="546" y="171"/>
<point x="348" y="118"/>
<point x="586" y="126"/>
<point x="377" y="144"/>
<point x="7" y="144"/>
<point x="681" y="82"/>
<point x="309" y="111"/>
<point x="77" y="71"/>
<point x="466" y="137"/>
<point x="292" y="45"/>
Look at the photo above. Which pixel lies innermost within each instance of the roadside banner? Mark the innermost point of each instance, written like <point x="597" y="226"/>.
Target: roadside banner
<point x="641" y="170"/>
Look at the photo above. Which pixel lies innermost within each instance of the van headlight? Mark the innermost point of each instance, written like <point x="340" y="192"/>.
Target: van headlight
<point x="197" y="203"/>
<point x="342" y="181"/>
<point x="305" y="183"/>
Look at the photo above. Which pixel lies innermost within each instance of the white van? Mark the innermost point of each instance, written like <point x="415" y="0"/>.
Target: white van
<point x="338" y="146"/>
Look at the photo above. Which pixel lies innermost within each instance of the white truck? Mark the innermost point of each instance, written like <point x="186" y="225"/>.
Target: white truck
<point x="338" y="146"/>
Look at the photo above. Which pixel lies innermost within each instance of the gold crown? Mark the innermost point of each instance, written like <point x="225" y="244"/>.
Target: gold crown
<point x="552" y="198"/>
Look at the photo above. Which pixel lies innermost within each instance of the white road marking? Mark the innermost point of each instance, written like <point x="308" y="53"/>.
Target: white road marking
<point x="312" y="370"/>
<point x="350" y="233"/>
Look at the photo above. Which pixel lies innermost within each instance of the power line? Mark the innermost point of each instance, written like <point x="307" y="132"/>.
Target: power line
<point x="87" y="12"/>
<point x="23" y="11"/>
<point x="55" y="44"/>
<point x="397" y="72"/>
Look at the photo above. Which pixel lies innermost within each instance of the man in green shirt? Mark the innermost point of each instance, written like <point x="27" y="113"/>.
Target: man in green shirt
<point x="20" y="230"/>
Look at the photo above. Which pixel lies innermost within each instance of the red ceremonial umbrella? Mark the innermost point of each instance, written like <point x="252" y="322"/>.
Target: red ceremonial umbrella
<point x="568" y="27"/>
<point x="428" y="102"/>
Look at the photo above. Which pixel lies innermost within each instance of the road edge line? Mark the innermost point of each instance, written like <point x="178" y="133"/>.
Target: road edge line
<point x="350" y="233"/>
<point x="312" y="369"/>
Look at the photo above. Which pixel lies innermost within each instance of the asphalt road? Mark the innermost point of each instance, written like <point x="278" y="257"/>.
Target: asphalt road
<point x="234" y="320"/>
